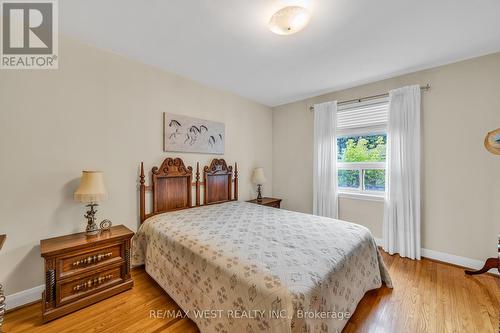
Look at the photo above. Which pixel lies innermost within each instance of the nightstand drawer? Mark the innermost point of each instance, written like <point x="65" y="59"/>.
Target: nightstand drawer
<point x="79" y="262"/>
<point x="69" y="290"/>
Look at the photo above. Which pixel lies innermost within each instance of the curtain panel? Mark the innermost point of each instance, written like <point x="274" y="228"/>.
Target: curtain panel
<point x="325" y="160"/>
<point x="401" y="226"/>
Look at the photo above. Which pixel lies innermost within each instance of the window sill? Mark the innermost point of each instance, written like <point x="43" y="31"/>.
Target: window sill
<point x="362" y="196"/>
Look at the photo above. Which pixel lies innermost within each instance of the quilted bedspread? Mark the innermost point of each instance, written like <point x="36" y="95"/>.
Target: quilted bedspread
<point x="242" y="267"/>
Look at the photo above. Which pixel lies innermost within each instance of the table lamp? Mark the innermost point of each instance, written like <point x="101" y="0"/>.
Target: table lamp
<point x="91" y="191"/>
<point x="258" y="178"/>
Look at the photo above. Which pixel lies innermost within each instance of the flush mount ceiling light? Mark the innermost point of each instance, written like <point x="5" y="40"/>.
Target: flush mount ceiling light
<point x="289" y="20"/>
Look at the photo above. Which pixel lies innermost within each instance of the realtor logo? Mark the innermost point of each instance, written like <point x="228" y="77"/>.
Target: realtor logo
<point x="29" y="34"/>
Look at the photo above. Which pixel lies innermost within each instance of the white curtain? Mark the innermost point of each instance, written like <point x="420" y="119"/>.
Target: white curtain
<point x="401" y="228"/>
<point x="325" y="159"/>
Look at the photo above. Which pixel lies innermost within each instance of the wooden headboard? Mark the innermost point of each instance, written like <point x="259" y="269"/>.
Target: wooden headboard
<point x="218" y="179"/>
<point x="172" y="183"/>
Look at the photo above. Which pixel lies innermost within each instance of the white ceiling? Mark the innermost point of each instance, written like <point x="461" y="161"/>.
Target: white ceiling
<point x="226" y="43"/>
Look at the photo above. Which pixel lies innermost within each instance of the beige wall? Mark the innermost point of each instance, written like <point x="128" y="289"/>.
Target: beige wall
<point x="99" y="111"/>
<point x="461" y="182"/>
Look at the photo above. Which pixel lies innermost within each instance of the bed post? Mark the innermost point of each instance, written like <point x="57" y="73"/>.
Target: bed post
<point x="142" y="188"/>
<point x="236" y="181"/>
<point x="197" y="183"/>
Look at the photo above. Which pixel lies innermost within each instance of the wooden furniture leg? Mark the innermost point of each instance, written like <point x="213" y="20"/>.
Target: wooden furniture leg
<point x="2" y="307"/>
<point x="2" y="297"/>
<point x="490" y="263"/>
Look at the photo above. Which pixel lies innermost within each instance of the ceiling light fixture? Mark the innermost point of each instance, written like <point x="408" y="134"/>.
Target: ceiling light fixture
<point x="289" y="20"/>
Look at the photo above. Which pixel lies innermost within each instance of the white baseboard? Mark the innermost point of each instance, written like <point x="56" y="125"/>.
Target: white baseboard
<point x="24" y="297"/>
<point x="450" y="258"/>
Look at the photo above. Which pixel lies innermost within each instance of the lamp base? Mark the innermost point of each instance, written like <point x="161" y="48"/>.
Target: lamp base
<point x="259" y="192"/>
<point x="91" y="228"/>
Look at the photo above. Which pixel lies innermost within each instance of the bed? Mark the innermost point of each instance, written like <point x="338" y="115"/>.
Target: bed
<point x="239" y="267"/>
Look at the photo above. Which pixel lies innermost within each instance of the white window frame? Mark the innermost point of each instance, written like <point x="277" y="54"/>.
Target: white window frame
<point x="360" y="193"/>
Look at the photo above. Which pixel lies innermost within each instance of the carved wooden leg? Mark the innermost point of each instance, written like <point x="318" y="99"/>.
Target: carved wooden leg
<point x="2" y="306"/>
<point x="490" y="263"/>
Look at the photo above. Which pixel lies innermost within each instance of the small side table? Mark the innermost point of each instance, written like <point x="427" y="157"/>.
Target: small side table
<point x="270" y="202"/>
<point x="2" y="297"/>
<point x="81" y="270"/>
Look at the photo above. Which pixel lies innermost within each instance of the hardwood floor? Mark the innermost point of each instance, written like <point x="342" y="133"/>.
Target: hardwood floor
<point x="427" y="297"/>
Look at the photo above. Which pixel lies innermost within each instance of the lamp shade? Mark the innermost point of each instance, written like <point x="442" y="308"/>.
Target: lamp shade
<point x="91" y="187"/>
<point x="258" y="176"/>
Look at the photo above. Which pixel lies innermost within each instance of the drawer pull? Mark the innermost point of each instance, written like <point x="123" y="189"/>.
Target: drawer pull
<point x="92" y="282"/>
<point x="92" y="259"/>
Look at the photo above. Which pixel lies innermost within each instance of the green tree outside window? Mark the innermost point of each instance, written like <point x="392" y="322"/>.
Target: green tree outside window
<point x="368" y="148"/>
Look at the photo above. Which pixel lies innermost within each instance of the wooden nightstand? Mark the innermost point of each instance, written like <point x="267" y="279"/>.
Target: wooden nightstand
<point x="270" y="202"/>
<point x="81" y="270"/>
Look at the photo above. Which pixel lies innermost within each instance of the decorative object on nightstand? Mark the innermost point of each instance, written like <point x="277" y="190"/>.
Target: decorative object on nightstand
<point x="81" y="270"/>
<point x="2" y="297"/>
<point x="91" y="191"/>
<point x="270" y="202"/>
<point x="258" y="178"/>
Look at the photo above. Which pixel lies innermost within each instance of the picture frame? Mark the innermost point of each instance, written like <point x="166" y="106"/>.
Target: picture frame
<point x="192" y="135"/>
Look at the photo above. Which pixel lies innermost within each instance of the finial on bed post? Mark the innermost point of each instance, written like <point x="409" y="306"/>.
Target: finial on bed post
<point x="236" y="181"/>
<point x="142" y="196"/>
<point x="142" y="174"/>
<point x="197" y="183"/>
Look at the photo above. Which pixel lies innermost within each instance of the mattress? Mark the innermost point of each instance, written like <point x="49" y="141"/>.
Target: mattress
<point x="242" y="267"/>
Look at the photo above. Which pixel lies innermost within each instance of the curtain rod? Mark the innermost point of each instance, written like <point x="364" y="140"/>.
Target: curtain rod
<point x="359" y="100"/>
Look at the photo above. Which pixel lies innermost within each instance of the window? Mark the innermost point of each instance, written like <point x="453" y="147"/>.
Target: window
<point x="361" y="148"/>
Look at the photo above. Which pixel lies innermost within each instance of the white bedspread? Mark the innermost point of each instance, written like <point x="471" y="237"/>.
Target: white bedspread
<point x="260" y="269"/>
